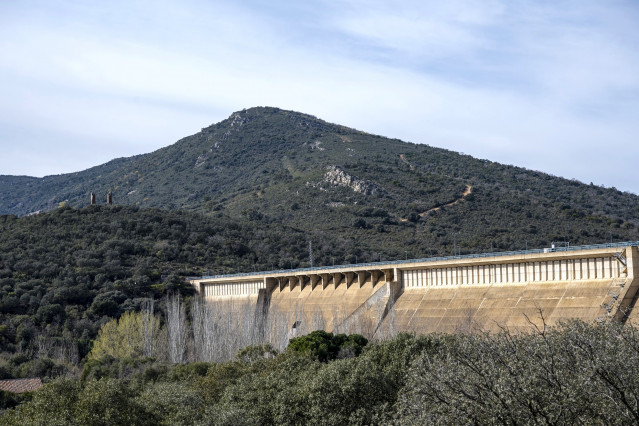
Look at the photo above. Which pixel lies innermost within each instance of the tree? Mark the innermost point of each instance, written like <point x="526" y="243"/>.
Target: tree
<point x="49" y="313"/>
<point x="177" y="329"/>
<point x="125" y="338"/>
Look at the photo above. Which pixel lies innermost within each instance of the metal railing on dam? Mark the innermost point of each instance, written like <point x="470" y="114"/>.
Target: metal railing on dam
<point x="620" y="245"/>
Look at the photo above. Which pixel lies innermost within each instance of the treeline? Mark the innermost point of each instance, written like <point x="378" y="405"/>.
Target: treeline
<point x="576" y="373"/>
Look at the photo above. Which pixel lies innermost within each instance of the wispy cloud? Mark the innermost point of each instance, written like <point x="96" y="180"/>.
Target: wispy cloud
<point x="546" y="85"/>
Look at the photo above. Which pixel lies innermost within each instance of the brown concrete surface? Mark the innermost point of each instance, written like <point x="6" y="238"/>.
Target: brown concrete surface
<point x="502" y="306"/>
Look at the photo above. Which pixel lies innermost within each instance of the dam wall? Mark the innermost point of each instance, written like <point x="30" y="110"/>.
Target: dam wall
<point x="490" y="291"/>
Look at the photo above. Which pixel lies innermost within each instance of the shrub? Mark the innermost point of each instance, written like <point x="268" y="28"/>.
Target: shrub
<point x="48" y="313"/>
<point x="111" y="402"/>
<point x="325" y="346"/>
<point x="54" y="404"/>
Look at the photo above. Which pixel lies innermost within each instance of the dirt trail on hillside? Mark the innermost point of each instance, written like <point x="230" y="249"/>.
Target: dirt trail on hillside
<point x="467" y="192"/>
<point x="401" y="156"/>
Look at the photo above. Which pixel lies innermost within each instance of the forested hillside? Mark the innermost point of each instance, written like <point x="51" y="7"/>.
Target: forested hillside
<point x="65" y="273"/>
<point x="270" y="166"/>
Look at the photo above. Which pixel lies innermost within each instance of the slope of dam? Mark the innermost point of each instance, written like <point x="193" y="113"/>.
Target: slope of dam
<point x="490" y="291"/>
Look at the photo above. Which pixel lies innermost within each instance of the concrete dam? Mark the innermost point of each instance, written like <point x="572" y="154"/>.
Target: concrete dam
<point x="488" y="291"/>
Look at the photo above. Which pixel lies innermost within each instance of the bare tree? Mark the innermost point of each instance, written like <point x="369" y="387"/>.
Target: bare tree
<point x="220" y="328"/>
<point x="176" y="329"/>
<point x="199" y="324"/>
<point x="148" y="328"/>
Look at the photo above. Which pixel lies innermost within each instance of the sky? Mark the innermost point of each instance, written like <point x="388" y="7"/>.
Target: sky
<point x="546" y="85"/>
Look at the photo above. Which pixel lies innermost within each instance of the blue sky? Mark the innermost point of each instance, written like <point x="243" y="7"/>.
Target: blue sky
<point x="547" y="85"/>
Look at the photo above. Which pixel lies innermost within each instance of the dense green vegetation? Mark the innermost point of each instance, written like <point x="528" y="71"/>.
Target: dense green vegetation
<point x="574" y="374"/>
<point x="65" y="273"/>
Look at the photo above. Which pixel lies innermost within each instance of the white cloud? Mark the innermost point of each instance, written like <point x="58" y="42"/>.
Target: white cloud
<point x="543" y="86"/>
<point x="424" y="29"/>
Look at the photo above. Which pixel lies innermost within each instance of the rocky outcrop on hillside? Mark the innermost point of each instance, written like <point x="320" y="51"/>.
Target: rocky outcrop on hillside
<point x="338" y="177"/>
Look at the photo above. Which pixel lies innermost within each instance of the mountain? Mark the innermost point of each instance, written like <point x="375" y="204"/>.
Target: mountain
<point x="271" y="166"/>
<point x="247" y="194"/>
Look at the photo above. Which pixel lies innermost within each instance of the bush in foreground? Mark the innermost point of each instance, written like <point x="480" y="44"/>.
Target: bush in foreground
<point x="576" y="373"/>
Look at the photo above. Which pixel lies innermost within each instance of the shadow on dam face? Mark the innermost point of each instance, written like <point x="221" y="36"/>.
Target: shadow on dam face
<point x="466" y="293"/>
